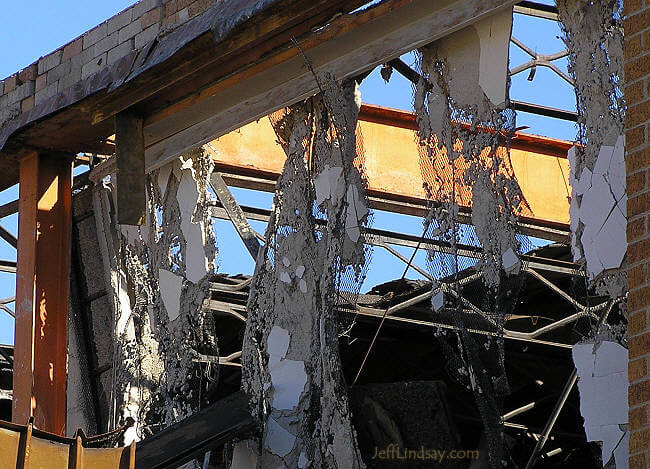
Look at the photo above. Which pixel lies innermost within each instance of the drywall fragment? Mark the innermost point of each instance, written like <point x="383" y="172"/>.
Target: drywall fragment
<point x="602" y="373"/>
<point x="163" y="179"/>
<point x="284" y="277"/>
<point x="327" y="182"/>
<point x="289" y="379"/>
<point x="277" y="344"/>
<point x="598" y="206"/>
<point x="300" y="270"/>
<point x="277" y="439"/>
<point x="243" y="457"/>
<point x="355" y="214"/>
<point x="196" y="263"/>
<point x="170" y="291"/>
<point x="303" y="285"/>
<point x="510" y="261"/>
<point x="438" y="300"/>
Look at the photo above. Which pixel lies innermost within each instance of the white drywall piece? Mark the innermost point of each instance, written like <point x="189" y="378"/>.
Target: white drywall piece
<point x="163" y="178"/>
<point x="196" y="263"/>
<point x="603" y="390"/>
<point x="170" y="292"/>
<point x="356" y="211"/>
<point x="438" y="300"/>
<point x="510" y="261"/>
<point x="494" y="40"/>
<point x="289" y="379"/>
<point x="277" y="344"/>
<point x="326" y="183"/>
<point x="278" y="440"/>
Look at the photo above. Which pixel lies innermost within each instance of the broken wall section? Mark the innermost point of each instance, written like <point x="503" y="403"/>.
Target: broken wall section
<point x="159" y="276"/>
<point x="593" y="33"/>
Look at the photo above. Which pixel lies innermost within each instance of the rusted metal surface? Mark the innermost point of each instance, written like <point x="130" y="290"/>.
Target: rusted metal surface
<point x="393" y="164"/>
<point x="42" y="286"/>
<point x="25" y="447"/>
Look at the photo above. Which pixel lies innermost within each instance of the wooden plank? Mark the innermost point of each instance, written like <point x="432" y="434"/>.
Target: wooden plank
<point x="203" y="431"/>
<point x="42" y="290"/>
<point x="129" y="153"/>
<point x="383" y="38"/>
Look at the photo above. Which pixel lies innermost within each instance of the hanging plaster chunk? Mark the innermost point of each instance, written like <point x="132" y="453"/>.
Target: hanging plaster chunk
<point x="477" y="60"/>
<point x="327" y="182"/>
<point x="163" y="178"/>
<point x="510" y="261"/>
<point x="603" y="388"/>
<point x="601" y="210"/>
<point x="438" y="300"/>
<point x="288" y="377"/>
<point x="278" y="440"/>
<point x="355" y="214"/>
<point x="196" y="263"/>
<point x="170" y="292"/>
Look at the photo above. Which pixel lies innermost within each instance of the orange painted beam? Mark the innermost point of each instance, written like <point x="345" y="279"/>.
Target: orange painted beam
<point x="392" y="162"/>
<point x="42" y="288"/>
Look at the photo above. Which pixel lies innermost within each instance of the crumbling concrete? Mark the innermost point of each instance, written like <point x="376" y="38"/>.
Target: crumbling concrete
<point x="159" y="276"/>
<point x="291" y="364"/>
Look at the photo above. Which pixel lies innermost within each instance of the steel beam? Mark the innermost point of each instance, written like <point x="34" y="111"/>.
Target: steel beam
<point x="42" y="288"/>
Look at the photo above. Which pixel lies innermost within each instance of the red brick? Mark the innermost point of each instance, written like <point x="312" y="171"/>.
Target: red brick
<point x="631" y="6"/>
<point x="72" y="49"/>
<point x="638" y="204"/>
<point x="632" y="47"/>
<point x="170" y="8"/>
<point x="638" y="417"/>
<point x="635" y="23"/>
<point x="637" y="159"/>
<point x="639" y="440"/>
<point x="637" y="276"/>
<point x="639" y="345"/>
<point x="639" y="393"/>
<point x="637" y="369"/>
<point x="634" y="93"/>
<point x="639" y="113"/>
<point x="638" y="460"/>
<point x="638" y="299"/>
<point x="636" y="182"/>
<point x="638" y="251"/>
<point x="635" y="137"/>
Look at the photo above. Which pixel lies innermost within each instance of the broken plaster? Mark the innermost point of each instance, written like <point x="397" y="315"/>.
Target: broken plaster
<point x="603" y="387"/>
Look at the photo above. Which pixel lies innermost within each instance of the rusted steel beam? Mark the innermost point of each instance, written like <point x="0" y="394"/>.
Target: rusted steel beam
<point x="42" y="287"/>
<point x="391" y="157"/>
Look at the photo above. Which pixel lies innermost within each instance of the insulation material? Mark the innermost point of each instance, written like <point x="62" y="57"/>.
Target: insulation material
<point x="290" y="359"/>
<point x="464" y="131"/>
<point x="598" y="200"/>
<point x="602" y="372"/>
<point x="159" y="275"/>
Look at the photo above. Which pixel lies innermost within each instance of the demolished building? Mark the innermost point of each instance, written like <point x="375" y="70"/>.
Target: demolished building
<point x="501" y="353"/>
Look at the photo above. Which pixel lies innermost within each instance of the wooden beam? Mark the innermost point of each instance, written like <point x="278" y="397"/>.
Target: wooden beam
<point x="42" y="287"/>
<point x="129" y="153"/>
<point x="346" y="47"/>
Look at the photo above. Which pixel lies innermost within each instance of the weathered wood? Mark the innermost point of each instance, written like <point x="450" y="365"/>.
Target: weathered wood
<point x="42" y="287"/>
<point x="350" y="52"/>
<point x="129" y="153"/>
<point x="207" y="429"/>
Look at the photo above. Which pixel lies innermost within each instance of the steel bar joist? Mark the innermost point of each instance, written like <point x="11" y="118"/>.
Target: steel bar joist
<point x="42" y="286"/>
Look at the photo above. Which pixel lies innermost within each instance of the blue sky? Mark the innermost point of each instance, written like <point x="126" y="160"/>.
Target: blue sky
<point x="30" y="29"/>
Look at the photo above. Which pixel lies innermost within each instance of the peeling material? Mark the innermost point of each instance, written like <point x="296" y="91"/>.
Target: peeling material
<point x="603" y="386"/>
<point x="170" y="291"/>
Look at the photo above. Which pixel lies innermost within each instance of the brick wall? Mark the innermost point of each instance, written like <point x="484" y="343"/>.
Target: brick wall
<point x="637" y="137"/>
<point x="88" y="54"/>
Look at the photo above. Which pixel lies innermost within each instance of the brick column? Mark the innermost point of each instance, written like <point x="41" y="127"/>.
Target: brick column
<point x="637" y="153"/>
